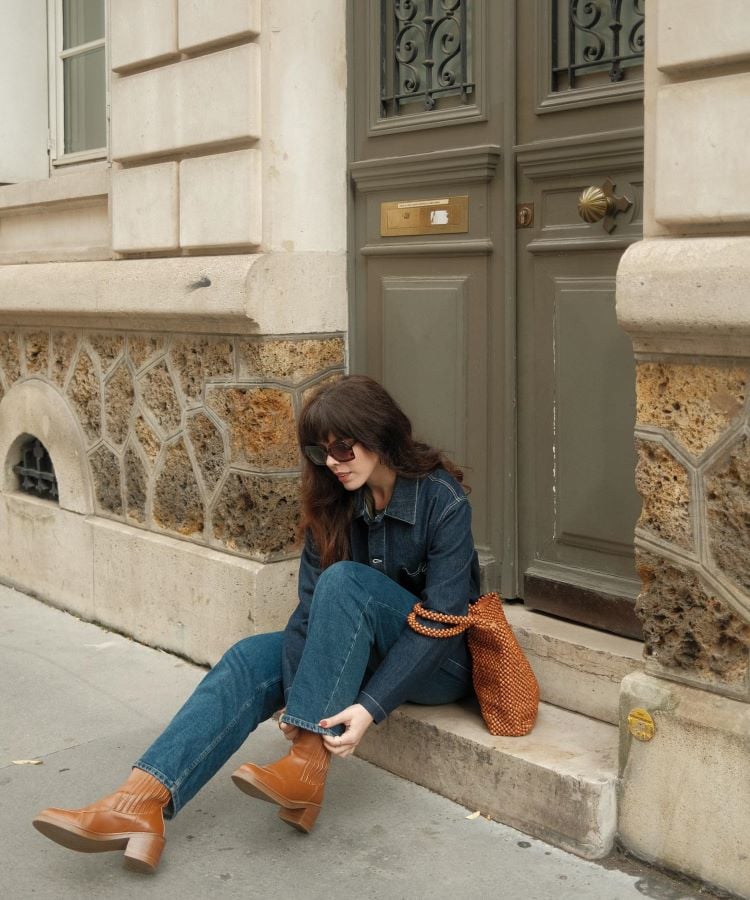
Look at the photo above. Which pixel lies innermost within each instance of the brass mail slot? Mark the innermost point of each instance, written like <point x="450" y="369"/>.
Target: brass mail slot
<point x="447" y="215"/>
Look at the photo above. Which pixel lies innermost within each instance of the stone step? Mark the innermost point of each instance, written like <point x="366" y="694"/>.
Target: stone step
<point x="578" y="668"/>
<point x="557" y="783"/>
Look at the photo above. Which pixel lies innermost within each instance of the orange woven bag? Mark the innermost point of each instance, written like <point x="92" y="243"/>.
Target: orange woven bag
<point x="504" y="683"/>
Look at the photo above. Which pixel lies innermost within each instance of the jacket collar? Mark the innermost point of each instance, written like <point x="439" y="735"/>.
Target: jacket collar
<point x="403" y="502"/>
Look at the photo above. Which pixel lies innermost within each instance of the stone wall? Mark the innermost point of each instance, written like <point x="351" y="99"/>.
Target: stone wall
<point x="187" y="435"/>
<point x="693" y="535"/>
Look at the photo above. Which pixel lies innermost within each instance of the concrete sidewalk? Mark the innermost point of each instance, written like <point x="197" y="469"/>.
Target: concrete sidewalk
<point x="85" y="702"/>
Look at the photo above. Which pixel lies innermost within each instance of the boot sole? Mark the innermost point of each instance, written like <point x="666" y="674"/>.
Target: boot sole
<point x="246" y="782"/>
<point x="142" y="851"/>
<point x="248" y="785"/>
<point x="301" y="816"/>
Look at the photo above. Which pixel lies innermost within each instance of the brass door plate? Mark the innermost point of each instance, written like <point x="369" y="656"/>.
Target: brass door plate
<point x="446" y="215"/>
<point x="641" y="724"/>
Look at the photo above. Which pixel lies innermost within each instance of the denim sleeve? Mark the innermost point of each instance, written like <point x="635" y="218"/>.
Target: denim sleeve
<point x="295" y="632"/>
<point x="448" y="589"/>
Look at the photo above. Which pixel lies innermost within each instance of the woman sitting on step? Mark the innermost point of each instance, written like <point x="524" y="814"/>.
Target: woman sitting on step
<point x="386" y="521"/>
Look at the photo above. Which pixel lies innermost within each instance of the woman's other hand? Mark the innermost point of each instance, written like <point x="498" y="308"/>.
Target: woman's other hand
<point x="356" y="720"/>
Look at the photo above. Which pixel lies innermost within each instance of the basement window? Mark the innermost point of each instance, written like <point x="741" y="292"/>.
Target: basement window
<point x="36" y="474"/>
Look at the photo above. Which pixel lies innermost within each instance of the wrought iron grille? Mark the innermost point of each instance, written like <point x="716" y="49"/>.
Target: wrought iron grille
<point x="35" y="471"/>
<point x="425" y="53"/>
<point x="596" y="36"/>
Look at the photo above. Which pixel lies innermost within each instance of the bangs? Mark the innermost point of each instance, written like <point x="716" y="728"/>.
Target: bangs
<point x="323" y="416"/>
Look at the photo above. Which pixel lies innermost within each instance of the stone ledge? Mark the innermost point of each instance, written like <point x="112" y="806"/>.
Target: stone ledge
<point x="71" y="187"/>
<point x="686" y="295"/>
<point x="578" y="668"/>
<point x="557" y="783"/>
<point x="239" y="293"/>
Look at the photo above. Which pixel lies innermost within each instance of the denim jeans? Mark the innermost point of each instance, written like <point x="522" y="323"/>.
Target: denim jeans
<point x="356" y="615"/>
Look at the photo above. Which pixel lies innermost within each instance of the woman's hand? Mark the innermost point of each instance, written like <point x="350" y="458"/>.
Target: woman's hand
<point x="356" y="720"/>
<point x="290" y="732"/>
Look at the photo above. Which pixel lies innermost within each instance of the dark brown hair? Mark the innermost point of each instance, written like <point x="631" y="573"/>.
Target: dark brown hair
<point x="355" y="407"/>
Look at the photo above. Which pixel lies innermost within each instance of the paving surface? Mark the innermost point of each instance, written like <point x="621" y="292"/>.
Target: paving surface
<point x="86" y="702"/>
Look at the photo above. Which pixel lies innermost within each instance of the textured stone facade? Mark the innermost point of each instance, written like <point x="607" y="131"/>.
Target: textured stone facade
<point x="192" y="436"/>
<point x="689" y="630"/>
<point x="693" y="536"/>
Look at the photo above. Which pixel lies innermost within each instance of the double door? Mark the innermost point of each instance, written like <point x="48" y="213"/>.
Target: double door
<point x="494" y="320"/>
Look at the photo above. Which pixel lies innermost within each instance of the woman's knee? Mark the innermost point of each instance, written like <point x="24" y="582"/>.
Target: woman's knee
<point x="256" y="658"/>
<point x="340" y="579"/>
<point x="340" y="585"/>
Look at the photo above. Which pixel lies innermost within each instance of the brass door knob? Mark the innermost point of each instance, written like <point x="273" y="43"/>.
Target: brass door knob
<point x="597" y="203"/>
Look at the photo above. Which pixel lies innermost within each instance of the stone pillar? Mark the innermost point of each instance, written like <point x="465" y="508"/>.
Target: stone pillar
<point x="682" y="295"/>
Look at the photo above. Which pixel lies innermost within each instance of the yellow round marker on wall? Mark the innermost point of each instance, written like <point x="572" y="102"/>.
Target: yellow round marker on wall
<point x="641" y="724"/>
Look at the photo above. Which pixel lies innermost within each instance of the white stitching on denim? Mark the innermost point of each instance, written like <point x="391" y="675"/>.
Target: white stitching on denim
<point x="375" y="702"/>
<point x="351" y="647"/>
<point x="433" y="477"/>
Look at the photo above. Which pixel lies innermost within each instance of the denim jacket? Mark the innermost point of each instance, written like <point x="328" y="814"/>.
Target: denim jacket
<point x="422" y="540"/>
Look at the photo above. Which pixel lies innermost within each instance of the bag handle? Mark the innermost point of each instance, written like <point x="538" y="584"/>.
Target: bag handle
<point x="459" y="623"/>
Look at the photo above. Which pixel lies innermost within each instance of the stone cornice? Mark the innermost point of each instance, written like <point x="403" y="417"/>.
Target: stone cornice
<point x="268" y="293"/>
<point x="686" y="295"/>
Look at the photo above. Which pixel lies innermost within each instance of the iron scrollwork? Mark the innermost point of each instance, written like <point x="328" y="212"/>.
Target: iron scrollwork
<point x="600" y="35"/>
<point x="36" y="472"/>
<point x="424" y="52"/>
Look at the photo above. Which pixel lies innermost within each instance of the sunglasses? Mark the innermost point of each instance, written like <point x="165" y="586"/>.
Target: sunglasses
<point x="341" y="451"/>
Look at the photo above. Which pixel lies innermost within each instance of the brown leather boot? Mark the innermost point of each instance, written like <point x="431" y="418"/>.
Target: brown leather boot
<point x="295" y="782"/>
<point x="131" y="818"/>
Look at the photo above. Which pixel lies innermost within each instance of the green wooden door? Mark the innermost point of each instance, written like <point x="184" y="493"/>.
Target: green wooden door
<point x="502" y="342"/>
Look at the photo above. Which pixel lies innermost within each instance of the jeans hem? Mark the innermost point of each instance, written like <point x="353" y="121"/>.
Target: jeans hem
<point x="308" y="726"/>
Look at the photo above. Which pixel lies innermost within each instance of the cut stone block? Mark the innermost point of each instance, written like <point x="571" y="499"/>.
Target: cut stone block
<point x="205" y="22"/>
<point x="578" y="668"/>
<point x="714" y="161"/>
<point x="689" y="33"/>
<point x="159" y="590"/>
<point x="557" y="783"/>
<point x="144" y="208"/>
<point x="224" y="86"/>
<point x="220" y="200"/>
<point x="685" y="794"/>
<point x="32" y="529"/>
<point x="142" y="31"/>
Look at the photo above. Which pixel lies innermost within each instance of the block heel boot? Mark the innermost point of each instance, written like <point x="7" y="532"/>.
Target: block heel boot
<point x="296" y="782"/>
<point x="130" y="819"/>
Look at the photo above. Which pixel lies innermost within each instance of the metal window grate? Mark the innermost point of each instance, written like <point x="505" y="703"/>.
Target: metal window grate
<point x="424" y="53"/>
<point x="36" y="472"/>
<point x="595" y="36"/>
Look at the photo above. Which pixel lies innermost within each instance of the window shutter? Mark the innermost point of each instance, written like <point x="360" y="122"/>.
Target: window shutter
<point x="24" y="117"/>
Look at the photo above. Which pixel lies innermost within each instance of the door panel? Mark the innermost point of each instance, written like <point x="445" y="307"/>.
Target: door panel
<point x="577" y="414"/>
<point x="593" y="373"/>
<point x="425" y="340"/>
<point x="420" y="364"/>
<point x="577" y="499"/>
